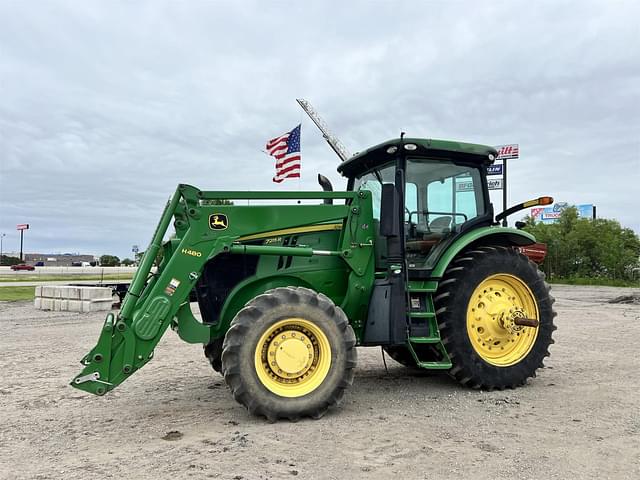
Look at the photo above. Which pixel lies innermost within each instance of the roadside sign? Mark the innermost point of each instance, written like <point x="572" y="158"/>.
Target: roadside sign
<point x="552" y="214"/>
<point x="508" y="151"/>
<point x="495" y="184"/>
<point x="22" y="226"/>
<point x="494" y="169"/>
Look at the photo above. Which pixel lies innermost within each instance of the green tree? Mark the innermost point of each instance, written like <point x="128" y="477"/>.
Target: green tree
<point x="7" y="260"/>
<point x="127" y="262"/>
<point x="109" y="261"/>
<point x="581" y="247"/>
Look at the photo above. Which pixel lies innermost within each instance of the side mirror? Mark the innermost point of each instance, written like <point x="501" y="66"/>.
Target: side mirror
<point x="389" y="221"/>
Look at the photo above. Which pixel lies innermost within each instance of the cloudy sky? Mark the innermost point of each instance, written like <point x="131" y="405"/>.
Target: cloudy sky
<point x="106" y="106"/>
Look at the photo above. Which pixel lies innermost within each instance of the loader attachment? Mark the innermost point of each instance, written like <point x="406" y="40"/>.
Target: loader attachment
<point x="127" y="339"/>
<point x="204" y="229"/>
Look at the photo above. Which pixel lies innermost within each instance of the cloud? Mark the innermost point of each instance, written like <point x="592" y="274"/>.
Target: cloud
<point x="105" y="108"/>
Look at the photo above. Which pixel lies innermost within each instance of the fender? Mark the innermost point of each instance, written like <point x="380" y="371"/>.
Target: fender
<point x="245" y="291"/>
<point x="493" y="235"/>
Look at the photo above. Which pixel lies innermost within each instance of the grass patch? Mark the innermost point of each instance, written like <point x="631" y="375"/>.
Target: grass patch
<point x="601" y="282"/>
<point x="13" y="294"/>
<point x="62" y="277"/>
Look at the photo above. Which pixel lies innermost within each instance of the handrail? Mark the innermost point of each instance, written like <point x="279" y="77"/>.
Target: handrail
<point x="266" y="195"/>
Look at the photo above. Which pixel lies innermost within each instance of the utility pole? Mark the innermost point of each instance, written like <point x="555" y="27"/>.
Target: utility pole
<point x="21" y="227"/>
<point x="2" y="235"/>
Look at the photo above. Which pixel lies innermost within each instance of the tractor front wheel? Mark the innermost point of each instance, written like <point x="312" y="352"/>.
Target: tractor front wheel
<point x="289" y="353"/>
<point x="495" y="317"/>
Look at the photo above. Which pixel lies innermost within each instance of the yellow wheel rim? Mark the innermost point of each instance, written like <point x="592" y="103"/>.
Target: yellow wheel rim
<point x="494" y="305"/>
<point x="292" y="357"/>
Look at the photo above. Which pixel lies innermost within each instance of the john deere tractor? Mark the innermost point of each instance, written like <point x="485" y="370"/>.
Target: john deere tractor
<point x="410" y="258"/>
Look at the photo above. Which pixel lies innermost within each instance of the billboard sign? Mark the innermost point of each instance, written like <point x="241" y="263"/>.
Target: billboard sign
<point x="494" y="169"/>
<point x="467" y="185"/>
<point x="508" y="151"/>
<point x="552" y="214"/>
<point x="494" y="183"/>
<point x="22" y="226"/>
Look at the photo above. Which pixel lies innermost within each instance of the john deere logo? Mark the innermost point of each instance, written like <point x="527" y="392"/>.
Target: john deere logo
<point x="218" y="221"/>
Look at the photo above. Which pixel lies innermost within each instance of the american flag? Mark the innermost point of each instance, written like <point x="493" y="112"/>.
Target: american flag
<point x="286" y="150"/>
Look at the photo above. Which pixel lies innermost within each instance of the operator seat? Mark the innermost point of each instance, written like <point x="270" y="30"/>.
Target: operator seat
<point x="438" y="228"/>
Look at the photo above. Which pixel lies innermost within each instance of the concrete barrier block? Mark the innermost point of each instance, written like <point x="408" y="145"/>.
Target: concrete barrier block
<point x="95" y="293"/>
<point x="46" y="304"/>
<point x="49" y="291"/>
<point x="70" y="293"/>
<point x="97" y="306"/>
<point x="75" y="305"/>
<point x="73" y="299"/>
<point x="60" y="305"/>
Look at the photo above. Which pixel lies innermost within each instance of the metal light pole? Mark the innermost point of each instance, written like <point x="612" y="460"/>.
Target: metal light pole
<point x="504" y="190"/>
<point x="21" y="227"/>
<point x="2" y="235"/>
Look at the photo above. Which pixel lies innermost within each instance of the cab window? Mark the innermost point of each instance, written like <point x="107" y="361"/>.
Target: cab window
<point x="448" y="195"/>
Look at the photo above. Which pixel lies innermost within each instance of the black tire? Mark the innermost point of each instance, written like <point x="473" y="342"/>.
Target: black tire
<point x="460" y="280"/>
<point x="213" y="352"/>
<point x="256" y="318"/>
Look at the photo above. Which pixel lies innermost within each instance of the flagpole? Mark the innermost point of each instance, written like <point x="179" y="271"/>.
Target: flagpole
<point x="300" y="177"/>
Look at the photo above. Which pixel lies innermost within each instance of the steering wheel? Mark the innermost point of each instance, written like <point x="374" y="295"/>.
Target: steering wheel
<point x="412" y="226"/>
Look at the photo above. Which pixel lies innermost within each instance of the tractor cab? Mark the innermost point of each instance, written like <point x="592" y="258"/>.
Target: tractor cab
<point x="438" y="189"/>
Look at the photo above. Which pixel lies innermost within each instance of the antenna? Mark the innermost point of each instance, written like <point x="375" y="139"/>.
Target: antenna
<point x="333" y="141"/>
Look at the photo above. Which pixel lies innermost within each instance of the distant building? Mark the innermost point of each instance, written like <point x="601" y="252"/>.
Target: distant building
<point x="59" y="260"/>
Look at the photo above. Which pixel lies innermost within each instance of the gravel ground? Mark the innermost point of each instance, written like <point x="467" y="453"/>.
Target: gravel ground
<point x="580" y="418"/>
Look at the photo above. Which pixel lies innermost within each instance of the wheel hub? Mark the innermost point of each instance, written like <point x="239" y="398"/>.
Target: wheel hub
<point x="290" y="354"/>
<point x="293" y="357"/>
<point x="508" y="319"/>
<point x="494" y="307"/>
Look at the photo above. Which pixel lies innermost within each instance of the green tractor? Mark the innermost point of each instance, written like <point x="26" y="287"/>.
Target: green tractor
<point x="410" y="258"/>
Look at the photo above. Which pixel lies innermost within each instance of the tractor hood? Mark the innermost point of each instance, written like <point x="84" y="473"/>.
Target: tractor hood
<point x="417" y="147"/>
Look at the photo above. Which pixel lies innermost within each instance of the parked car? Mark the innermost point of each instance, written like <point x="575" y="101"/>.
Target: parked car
<point x="22" y="266"/>
<point x="39" y="264"/>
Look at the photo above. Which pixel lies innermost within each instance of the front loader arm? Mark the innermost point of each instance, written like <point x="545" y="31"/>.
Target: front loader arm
<point x="127" y="340"/>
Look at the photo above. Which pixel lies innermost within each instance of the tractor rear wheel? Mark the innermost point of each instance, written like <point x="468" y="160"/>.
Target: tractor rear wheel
<point x="495" y="317"/>
<point x="289" y="353"/>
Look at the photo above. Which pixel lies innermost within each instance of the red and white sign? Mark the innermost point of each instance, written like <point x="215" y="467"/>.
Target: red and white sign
<point x="508" y="151"/>
<point x="22" y="226"/>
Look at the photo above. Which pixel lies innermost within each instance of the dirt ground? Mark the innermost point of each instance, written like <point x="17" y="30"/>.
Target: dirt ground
<point x="580" y="418"/>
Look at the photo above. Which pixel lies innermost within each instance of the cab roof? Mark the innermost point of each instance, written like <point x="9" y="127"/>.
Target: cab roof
<point x="424" y="147"/>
